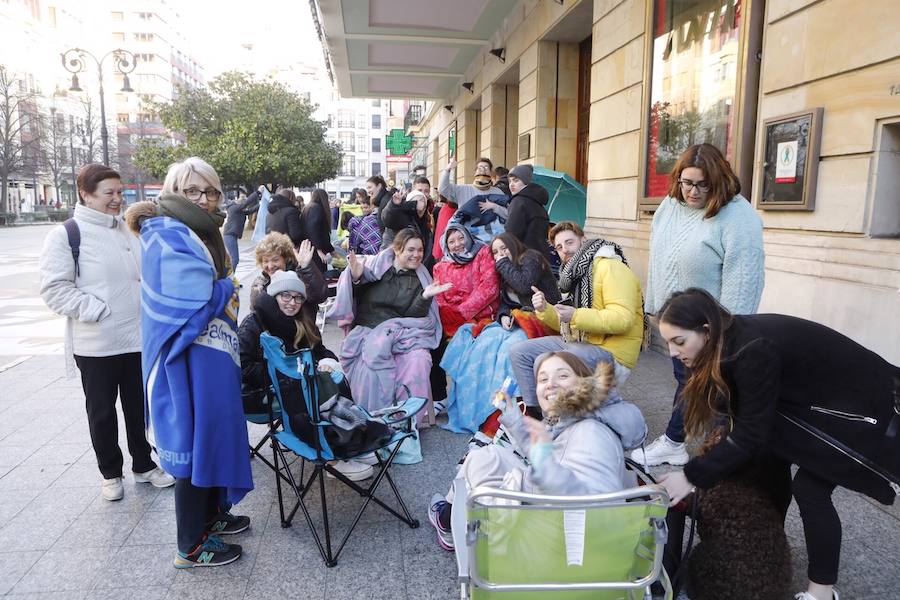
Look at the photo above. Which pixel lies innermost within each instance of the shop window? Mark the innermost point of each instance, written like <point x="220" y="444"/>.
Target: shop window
<point x="693" y="84"/>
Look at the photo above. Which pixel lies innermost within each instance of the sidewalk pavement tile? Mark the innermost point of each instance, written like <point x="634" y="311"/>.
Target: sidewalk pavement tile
<point x="228" y="589"/>
<point x="63" y="570"/>
<point x="157" y="592"/>
<point x="15" y="565"/>
<point x="137" y="566"/>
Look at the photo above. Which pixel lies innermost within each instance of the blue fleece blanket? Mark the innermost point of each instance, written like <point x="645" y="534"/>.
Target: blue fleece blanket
<point x="477" y="368"/>
<point x="192" y="375"/>
<point x="482" y="225"/>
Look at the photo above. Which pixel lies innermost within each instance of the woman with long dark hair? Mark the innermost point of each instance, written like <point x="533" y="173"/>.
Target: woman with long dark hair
<point x="790" y="392"/>
<point x="316" y="223"/>
<point x="704" y="234"/>
<point x="520" y="269"/>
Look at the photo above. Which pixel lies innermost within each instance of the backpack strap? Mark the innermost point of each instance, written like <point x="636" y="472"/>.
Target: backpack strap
<point x="74" y="235"/>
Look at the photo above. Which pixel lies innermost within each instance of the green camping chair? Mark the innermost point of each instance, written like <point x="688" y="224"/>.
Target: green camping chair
<point x="599" y="547"/>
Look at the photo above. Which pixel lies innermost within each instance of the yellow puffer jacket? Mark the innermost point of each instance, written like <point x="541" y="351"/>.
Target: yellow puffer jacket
<point x="616" y="321"/>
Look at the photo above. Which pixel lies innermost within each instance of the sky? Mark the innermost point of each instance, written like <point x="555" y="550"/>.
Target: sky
<point x="281" y="32"/>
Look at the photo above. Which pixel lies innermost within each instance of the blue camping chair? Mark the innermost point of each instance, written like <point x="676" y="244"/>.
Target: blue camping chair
<point x="271" y="418"/>
<point x="301" y="367"/>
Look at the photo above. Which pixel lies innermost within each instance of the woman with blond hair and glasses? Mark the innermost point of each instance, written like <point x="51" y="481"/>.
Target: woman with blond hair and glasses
<point x="705" y="235"/>
<point x="191" y="363"/>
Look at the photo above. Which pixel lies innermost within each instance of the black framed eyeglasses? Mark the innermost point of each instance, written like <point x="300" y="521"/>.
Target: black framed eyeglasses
<point x="687" y="185"/>
<point x="287" y="297"/>
<point x="194" y="194"/>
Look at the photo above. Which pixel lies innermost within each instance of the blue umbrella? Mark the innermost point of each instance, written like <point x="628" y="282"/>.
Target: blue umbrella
<point x="568" y="198"/>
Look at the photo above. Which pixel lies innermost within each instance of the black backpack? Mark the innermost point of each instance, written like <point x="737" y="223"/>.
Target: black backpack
<point x="74" y="235"/>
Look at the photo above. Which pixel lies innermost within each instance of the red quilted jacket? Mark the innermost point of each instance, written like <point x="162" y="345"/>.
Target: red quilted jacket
<point x="475" y="293"/>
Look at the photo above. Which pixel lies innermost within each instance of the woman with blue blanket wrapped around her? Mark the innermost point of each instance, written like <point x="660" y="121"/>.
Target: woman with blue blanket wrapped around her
<point x="192" y="371"/>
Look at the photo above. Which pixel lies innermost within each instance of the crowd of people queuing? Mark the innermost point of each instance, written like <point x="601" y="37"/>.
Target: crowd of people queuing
<point x="456" y="284"/>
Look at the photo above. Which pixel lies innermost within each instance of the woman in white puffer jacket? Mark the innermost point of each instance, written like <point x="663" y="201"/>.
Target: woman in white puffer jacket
<point x="101" y="300"/>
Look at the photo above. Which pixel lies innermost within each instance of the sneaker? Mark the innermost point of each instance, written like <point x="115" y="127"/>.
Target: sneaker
<point x="808" y="596"/>
<point x="659" y="451"/>
<point x="112" y="489"/>
<point x="155" y="477"/>
<point x="213" y="552"/>
<point x="440" y="406"/>
<point x="444" y="536"/>
<point x="368" y="458"/>
<point x="228" y="524"/>
<point x="352" y="470"/>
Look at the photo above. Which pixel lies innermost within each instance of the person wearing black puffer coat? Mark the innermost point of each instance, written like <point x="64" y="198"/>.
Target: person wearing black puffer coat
<point x="284" y="217"/>
<point x="528" y="219"/>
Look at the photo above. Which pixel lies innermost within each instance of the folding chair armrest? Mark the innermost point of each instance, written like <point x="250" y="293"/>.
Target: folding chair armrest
<point x="458" y="525"/>
<point x="392" y="415"/>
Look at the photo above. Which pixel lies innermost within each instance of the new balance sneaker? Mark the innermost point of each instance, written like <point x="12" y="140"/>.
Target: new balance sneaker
<point x="155" y="477"/>
<point x="213" y="552"/>
<point x="808" y="596"/>
<point x="659" y="451"/>
<point x="112" y="489"/>
<point x="444" y="536"/>
<point x="352" y="470"/>
<point x="228" y="524"/>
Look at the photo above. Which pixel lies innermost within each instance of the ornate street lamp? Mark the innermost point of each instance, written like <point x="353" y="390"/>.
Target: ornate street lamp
<point x="75" y="62"/>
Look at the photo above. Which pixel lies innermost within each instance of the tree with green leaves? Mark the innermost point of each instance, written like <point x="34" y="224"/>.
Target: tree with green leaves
<point x="250" y="131"/>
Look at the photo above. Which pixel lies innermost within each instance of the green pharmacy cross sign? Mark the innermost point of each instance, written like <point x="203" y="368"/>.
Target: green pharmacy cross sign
<point x="398" y="142"/>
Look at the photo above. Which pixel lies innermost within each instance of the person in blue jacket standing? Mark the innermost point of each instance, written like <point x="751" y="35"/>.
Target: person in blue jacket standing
<point x="191" y="363"/>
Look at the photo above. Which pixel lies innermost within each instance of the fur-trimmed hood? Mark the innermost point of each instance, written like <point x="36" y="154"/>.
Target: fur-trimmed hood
<point x="138" y="212"/>
<point x="591" y="398"/>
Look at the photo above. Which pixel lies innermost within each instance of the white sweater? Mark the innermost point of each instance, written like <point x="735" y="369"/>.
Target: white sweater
<point x="103" y="304"/>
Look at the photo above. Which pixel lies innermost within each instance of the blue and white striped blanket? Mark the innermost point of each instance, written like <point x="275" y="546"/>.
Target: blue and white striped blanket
<point x="192" y="375"/>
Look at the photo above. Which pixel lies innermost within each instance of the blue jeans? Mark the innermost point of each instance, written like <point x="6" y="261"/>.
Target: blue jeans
<point x="231" y="244"/>
<point x="675" y="428"/>
<point x="523" y="355"/>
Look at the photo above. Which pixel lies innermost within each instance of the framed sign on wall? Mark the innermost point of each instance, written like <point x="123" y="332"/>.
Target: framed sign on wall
<point x="790" y="161"/>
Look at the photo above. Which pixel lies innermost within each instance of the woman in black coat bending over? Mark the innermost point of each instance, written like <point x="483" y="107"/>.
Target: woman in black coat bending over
<point x="792" y="392"/>
<point x="317" y="226"/>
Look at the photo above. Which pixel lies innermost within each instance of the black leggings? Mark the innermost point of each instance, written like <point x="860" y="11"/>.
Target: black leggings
<point x="821" y="526"/>
<point x="821" y="523"/>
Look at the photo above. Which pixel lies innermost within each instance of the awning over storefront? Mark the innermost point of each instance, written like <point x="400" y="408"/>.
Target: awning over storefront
<point x="406" y="48"/>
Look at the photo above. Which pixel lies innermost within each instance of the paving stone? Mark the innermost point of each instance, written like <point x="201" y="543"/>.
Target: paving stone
<point x="228" y="589"/>
<point x="32" y="477"/>
<point x="93" y="530"/>
<point x="139" y="566"/>
<point x="15" y="565"/>
<point x="11" y="456"/>
<point x="129" y="593"/>
<point x="154" y="528"/>
<point x="63" y="570"/>
<point x="57" y="454"/>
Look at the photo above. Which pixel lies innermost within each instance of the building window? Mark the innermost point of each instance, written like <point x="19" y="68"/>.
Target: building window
<point x="361" y="168"/>
<point x="693" y="83"/>
<point x="143" y="37"/>
<point x="347" y="165"/>
<point x="361" y="143"/>
<point x="118" y="36"/>
<point x="376" y="103"/>
<point x="345" y="139"/>
<point x="116" y="15"/>
<point x="376" y="144"/>
<point x="122" y="117"/>
<point x="376" y="121"/>
<point x="376" y="168"/>
<point x="361" y="121"/>
<point x="345" y="118"/>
